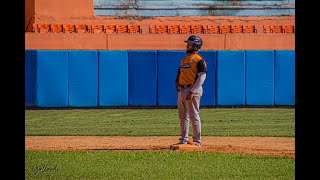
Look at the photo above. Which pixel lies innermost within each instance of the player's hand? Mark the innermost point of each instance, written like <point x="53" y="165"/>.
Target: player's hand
<point x="189" y="96"/>
<point x="177" y="87"/>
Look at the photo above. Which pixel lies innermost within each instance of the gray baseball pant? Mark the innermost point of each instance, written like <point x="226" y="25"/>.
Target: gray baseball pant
<point x="189" y="110"/>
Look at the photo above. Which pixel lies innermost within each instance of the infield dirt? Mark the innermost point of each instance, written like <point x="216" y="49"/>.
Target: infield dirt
<point x="277" y="146"/>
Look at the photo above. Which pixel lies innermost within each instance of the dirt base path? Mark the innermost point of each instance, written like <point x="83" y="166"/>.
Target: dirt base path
<point x="278" y="146"/>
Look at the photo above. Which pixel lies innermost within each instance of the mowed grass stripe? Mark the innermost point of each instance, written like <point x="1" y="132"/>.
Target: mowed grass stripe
<point x="160" y="122"/>
<point x="155" y="165"/>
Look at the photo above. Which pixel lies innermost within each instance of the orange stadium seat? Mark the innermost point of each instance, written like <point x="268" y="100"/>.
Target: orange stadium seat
<point x="211" y="29"/>
<point x="225" y="29"/>
<point x="44" y="28"/>
<point x="97" y="28"/>
<point x="152" y="29"/>
<point x="161" y="28"/>
<point x="185" y="29"/>
<point x="196" y="29"/>
<point x="134" y="29"/>
<point x="122" y="28"/>
<point x="35" y="28"/>
<point x="81" y="28"/>
<point x="89" y="28"/>
<point x="68" y="28"/>
<point x="272" y="29"/>
<point x="266" y="28"/>
<point x="109" y="29"/>
<point x="288" y="29"/>
<point x="276" y="29"/>
<point x="236" y="28"/>
<point x="249" y="29"/>
<point x="56" y="28"/>
<point x="173" y="29"/>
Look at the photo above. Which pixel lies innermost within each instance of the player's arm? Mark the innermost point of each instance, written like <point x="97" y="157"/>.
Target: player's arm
<point x="177" y="81"/>
<point x="202" y="74"/>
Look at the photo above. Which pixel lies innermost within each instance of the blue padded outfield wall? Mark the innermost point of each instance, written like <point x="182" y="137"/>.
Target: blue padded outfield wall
<point x="52" y="78"/>
<point x="113" y="78"/>
<point x="30" y="77"/>
<point x="92" y="78"/>
<point x="284" y="77"/>
<point x="231" y="77"/>
<point x="209" y="85"/>
<point x="83" y="78"/>
<point x="260" y="77"/>
<point x="168" y="64"/>
<point x="142" y="77"/>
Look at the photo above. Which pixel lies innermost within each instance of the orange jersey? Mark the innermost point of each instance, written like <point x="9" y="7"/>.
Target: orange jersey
<point x="190" y="66"/>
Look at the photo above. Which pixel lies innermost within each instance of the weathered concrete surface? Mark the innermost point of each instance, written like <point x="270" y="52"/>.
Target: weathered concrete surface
<point x="82" y="12"/>
<point x="29" y="14"/>
<point x="260" y="41"/>
<point x="65" y="41"/>
<point x="158" y="41"/>
<point x="63" y="9"/>
<point x="193" y="7"/>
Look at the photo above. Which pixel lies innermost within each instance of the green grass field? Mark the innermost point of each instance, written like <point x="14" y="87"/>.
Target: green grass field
<point x="160" y="122"/>
<point x="108" y="164"/>
<point x="155" y="165"/>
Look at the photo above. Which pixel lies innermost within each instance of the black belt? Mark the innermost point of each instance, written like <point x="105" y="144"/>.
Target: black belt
<point x="184" y="86"/>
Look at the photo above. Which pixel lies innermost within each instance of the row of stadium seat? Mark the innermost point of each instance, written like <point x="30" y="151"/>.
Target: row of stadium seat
<point x="159" y="29"/>
<point x="83" y="28"/>
<point x="207" y="29"/>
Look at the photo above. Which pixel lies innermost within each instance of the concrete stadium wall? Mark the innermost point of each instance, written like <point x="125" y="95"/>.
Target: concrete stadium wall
<point x="101" y="78"/>
<point x="29" y="17"/>
<point x="157" y="41"/>
<point x="82" y="13"/>
<point x="194" y="7"/>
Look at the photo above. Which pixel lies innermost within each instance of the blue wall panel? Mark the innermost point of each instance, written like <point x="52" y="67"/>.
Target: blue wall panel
<point x="30" y="77"/>
<point x="209" y="85"/>
<point x="260" y="77"/>
<point x="83" y="78"/>
<point x="168" y="65"/>
<point x="52" y="78"/>
<point x="113" y="78"/>
<point x="142" y="77"/>
<point x="284" y="77"/>
<point x="87" y="78"/>
<point x="231" y="77"/>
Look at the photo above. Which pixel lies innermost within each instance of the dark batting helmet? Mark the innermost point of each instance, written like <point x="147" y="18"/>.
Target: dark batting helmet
<point x="196" y="40"/>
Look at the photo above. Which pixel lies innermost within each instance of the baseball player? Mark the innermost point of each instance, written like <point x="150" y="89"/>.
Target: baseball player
<point x="188" y="83"/>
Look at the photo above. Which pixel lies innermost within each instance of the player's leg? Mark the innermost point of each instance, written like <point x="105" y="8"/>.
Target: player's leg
<point x="193" y="111"/>
<point x="183" y="117"/>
